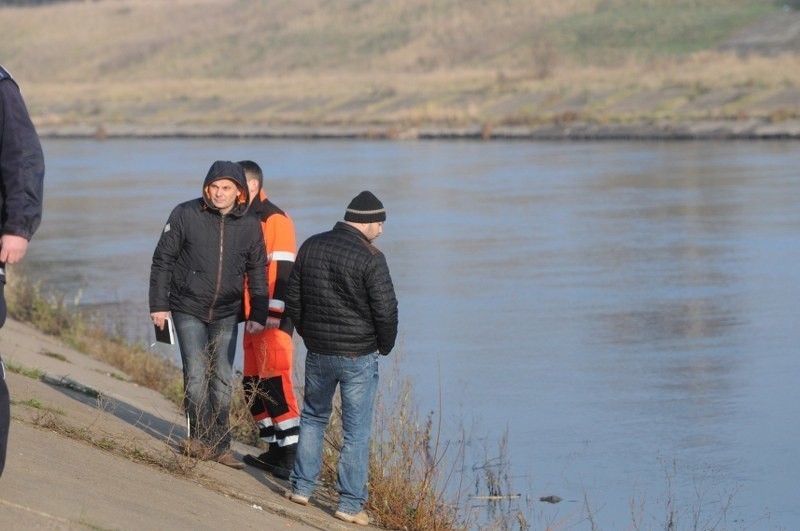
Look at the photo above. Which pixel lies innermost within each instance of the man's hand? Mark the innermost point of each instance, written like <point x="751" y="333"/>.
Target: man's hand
<point x="12" y="248"/>
<point x="159" y="318"/>
<point x="252" y="327"/>
<point x="272" y="323"/>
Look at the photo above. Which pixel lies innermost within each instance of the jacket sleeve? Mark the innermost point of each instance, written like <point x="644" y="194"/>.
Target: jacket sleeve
<point x="256" y="274"/>
<point x="164" y="257"/>
<point x="382" y="302"/>
<point x="280" y="240"/>
<point x="294" y="298"/>
<point x="21" y="165"/>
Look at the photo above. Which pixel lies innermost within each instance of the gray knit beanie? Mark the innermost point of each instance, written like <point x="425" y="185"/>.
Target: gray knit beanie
<point x="365" y="208"/>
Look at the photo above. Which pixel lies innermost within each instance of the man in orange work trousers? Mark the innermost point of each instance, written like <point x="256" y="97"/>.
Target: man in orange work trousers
<point x="268" y="386"/>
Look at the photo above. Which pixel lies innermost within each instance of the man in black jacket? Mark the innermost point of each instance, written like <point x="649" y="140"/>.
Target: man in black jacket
<point x="206" y="248"/>
<point x="342" y="302"/>
<point x="21" y="191"/>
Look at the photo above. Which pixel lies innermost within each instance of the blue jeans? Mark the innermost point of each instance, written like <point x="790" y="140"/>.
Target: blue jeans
<point x="207" y="353"/>
<point x="358" y="381"/>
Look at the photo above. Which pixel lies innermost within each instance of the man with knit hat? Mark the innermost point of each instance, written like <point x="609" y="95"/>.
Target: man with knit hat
<point x="342" y="302"/>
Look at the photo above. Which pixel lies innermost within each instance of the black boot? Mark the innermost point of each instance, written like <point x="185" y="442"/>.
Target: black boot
<point x="283" y="468"/>
<point x="266" y="461"/>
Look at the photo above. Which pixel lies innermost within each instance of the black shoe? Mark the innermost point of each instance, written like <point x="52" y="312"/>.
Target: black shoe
<point x="267" y="460"/>
<point x="283" y="468"/>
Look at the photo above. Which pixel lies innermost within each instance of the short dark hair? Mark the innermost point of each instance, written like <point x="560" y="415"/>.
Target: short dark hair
<point x="252" y="171"/>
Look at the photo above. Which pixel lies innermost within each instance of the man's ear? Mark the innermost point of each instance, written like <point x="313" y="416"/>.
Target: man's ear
<point x="253" y="187"/>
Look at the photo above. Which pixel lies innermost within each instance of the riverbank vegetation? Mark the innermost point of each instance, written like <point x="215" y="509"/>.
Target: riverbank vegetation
<point x="56" y="317"/>
<point x="256" y="67"/>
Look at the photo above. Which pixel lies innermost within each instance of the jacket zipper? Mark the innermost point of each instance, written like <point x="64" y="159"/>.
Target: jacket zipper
<point x="219" y="268"/>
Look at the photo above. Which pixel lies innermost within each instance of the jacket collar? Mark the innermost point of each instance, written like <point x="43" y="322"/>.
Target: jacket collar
<point x="341" y="225"/>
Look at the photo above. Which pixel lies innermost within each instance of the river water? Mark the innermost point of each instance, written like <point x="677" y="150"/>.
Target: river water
<point x="627" y="313"/>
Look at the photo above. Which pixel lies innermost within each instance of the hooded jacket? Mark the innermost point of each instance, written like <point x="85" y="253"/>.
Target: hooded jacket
<point x="340" y="295"/>
<point x="202" y="256"/>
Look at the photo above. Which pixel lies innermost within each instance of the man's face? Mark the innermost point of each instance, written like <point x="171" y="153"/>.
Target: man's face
<point x="373" y="230"/>
<point x="223" y="193"/>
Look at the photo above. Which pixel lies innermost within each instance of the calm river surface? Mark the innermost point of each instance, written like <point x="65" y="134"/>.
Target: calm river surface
<point x="627" y="312"/>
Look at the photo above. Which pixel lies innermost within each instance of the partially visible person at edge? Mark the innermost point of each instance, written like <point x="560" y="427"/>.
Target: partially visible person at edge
<point x="205" y="250"/>
<point x="21" y="193"/>
<point x="343" y="304"/>
<point x="268" y="386"/>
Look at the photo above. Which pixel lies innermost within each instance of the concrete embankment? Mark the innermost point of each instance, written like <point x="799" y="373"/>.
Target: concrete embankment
<point x="89" y="449"/>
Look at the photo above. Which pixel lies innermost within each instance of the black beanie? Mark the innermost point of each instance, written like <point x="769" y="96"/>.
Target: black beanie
<point x="365" y="208"/>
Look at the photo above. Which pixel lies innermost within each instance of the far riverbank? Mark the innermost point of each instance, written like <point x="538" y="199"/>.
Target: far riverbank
<point x="752" y="129"/>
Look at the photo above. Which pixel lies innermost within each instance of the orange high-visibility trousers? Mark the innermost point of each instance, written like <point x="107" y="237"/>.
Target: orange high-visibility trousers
<point x="268" y="389"/>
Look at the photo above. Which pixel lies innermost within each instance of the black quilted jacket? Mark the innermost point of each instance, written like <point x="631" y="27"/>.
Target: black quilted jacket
<point x="340" y="295"/>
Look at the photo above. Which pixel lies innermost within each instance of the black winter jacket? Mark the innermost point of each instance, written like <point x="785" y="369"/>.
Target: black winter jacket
<point x="340" y="295"/>
<point x="202" y="257"/>
<point x="21" y="164"/>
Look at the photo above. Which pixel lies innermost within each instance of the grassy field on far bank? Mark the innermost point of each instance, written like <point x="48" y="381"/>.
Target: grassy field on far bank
<point x="188" y="63"/>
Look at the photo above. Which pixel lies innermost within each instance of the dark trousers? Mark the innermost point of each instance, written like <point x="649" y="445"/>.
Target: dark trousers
<point x="5" y="416"/>
<point x="5" y="401"/>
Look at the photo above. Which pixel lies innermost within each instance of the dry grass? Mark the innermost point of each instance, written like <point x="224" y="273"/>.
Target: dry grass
<point x="454" y="98"/>
<point x="407" y="470"/>
<point x="417" y="479"/>
<point x="389" y="64"/>
<point x="410" y="466"/>
<point x="130" y="39"/>
<point x="55" y="317"/>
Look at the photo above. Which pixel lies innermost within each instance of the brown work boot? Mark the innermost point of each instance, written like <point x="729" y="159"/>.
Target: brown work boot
<point x="227" y="458"/>
<point x="358" y="519"/>
<point x="195" y="448"/>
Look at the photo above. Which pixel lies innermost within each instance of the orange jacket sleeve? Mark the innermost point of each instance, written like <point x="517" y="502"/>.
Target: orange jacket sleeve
<point x="279" y="239"/>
